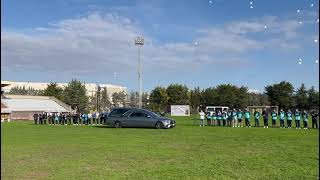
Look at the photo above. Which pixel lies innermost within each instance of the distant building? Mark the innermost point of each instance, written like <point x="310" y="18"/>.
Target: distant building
<point x="21" y="107"/>
<point x="91" y="87"/>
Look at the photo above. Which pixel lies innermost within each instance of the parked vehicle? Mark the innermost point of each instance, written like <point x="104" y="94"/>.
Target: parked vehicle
<point x="135" y="117"/>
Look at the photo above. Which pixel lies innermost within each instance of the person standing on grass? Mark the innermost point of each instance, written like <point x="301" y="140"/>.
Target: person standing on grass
<point x="239" y="114"/>
<point x="40" y="118"/>
<point x="234" y="118"/>
<point x="49" y="118"/>
<point x="305" y="119"/>
<point x="69" y="121"/>
<point x="297" y="115"/>
<point x="201" y="118"/>
<point x="274" y="117"/>
<point x="256" y="115"/>
<point x="265" y="115"/>
<point x="56" y="119"/>
<point x="289" y="118"/>
<point x="89" y="119"/>
<point x="219" y="117"/>
<point x="314" y="116"/>
<point x="45" y="117"/>
<point x="282" y="117"/>
<point x="214" y="118"/>
<point x="35" y="118"/>
<point x="224" y="117"/>
<point x="208" y="118"/>
<point x="94" y="116"/>
<point x="247" y="117"/>
<point x="229" y="118"/>
<point x="211" y="118"/>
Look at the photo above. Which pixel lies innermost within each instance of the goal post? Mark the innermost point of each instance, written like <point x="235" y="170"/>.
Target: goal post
<point x="261" y="108"/>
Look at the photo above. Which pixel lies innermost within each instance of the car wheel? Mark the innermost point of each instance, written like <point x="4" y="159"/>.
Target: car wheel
<point x="117" y="124"/>
<point x="159" y="125"/>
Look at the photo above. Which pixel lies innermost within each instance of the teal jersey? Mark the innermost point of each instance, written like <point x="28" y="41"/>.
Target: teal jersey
<point x="214" y="117"/>
<point x="224" y="116"/>
<point x="240" y="115"/>
<point x="257" y="115"/>
<point x="298" y="116"/>
<point x="289" y="116"/>
<point x="234" y="114"/>
<point x="282" y="115"/>
<point x="219" y="117"/>
<point x="247" y="114"/>
<point x="274" y="116"/>
<point x="305" y="116"/>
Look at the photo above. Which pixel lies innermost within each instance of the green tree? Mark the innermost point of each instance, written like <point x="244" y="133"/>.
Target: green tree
<point x="105" y="102"/>
<point x="23" y="91"/>
<point x="208" y="97"/>
<point x="54" y="90"/>
<point x="158" y="99"/>
<point x="195" y="99"/>
<point x="301" y="97"/>
<point x="119" y="99"/>
<point x="75" y="95"/>
<point x="178" y="94"/>
<point x="133" y="99"/>
<point x="281" y="94"/>
<point x="313" y="98"/>
<point x="145" y="100"/>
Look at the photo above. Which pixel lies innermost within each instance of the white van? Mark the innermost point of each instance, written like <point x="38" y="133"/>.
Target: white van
<point x="216" y="108"/>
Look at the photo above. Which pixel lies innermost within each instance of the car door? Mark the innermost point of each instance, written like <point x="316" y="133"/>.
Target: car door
<point x="134" y="119"/>
<point x="146" y="120"/>
<point x="125" y="119"/>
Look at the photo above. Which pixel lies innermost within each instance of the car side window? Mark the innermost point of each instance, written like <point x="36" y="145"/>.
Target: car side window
<point x="135" y="114"/>
<point x="144" y="115"/>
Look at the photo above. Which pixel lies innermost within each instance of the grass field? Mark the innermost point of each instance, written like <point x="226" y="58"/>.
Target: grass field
<point x="186" y="152"/>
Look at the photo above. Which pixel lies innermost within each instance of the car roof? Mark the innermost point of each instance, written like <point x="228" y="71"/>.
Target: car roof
<point x="133" y="108"/>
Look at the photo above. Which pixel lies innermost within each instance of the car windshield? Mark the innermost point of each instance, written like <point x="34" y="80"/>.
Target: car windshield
<point x="155" y="114"/>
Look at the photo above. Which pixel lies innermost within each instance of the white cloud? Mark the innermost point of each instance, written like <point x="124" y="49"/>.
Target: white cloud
<point x="106" y="42"/>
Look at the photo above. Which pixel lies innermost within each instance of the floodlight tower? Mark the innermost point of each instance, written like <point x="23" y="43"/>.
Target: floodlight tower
<point x="139" y="42"/>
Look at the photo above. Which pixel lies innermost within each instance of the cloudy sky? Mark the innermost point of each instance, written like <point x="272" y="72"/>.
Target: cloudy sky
<point x="193" y="42"/>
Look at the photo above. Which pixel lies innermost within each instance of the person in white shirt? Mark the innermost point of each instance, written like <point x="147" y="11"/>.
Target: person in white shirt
<point x="89" y="119"/>
<point x="201" y="117"/>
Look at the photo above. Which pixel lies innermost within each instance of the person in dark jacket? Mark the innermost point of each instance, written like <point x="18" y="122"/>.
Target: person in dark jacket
<point x="265" y="115"/>
<point x="35" y="118"/>
<point x="314" y="116"/>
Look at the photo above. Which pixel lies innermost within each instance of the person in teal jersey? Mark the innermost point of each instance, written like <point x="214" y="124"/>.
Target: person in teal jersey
<point x="85" y="118"/>
<point x="224" y="117"/>
<point x="297" y="115"/>
<point x="56" y="119"/>
<point x="214" y="118"/>
<point x="274" y="117"/>
<point x="208" y="117"/>
<point x="239" y="114"/>
<point x="289" y="118"/>
<point x="282" y="116"/>
<point x="219" y="117"/>
<point x="234" y="118"/>
<point x="229" y="119"/>
<point x="256" y="115"/>
<point x="247" y="117"/>
<point x="305" y="119"/>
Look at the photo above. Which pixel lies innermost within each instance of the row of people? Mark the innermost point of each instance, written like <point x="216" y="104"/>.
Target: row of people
<point x="68" y="118"/>
<point x="234" y="118"/>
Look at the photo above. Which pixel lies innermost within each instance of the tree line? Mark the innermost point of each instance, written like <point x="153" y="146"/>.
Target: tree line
<point x="282" y="94"/>
<point x="160" y="98"/>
